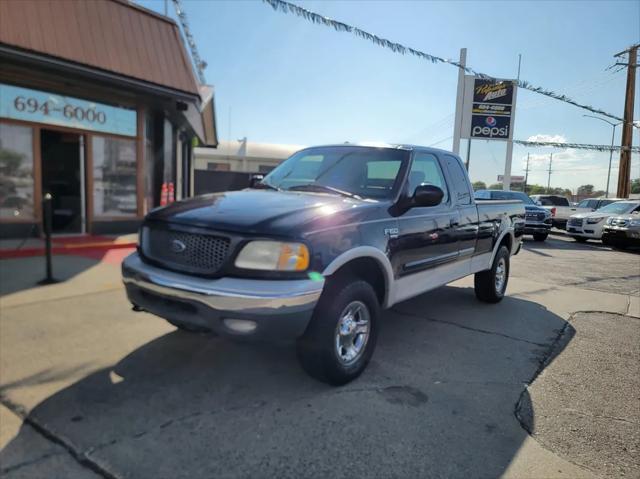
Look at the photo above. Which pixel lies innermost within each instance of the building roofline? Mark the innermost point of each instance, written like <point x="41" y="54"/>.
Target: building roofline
<point x="17" y="53"/>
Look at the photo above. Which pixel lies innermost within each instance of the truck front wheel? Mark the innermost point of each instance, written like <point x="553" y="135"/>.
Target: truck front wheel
<point x="341" y="336"/>
<point x="491" y="284"/>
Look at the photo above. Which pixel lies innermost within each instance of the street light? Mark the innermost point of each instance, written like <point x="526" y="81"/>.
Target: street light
<point x="611" y="150"/>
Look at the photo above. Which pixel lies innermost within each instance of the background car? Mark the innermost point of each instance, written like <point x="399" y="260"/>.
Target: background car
<point x="559" y="206"/>
<point x="585" y="226"/>
<point x="622" y="231"/>
<point x="537" y="218"/>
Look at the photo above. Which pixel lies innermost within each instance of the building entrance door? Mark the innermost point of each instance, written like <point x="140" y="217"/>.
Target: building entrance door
<point x="62" y="156"/>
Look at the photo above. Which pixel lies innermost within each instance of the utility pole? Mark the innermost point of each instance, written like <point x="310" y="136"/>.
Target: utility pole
<point x="526" y="175"/>
<point x="549" y="180"/>
<point x="624" y="171"/>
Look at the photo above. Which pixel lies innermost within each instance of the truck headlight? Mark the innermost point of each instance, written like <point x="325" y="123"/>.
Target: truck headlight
<point x="634" y="222"/>
<point x="610" y="220"/>
<point x="593" y="221"/>
<point x="273" y="256"/>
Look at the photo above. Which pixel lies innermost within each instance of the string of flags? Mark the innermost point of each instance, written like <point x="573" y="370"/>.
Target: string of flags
<point x="576" y="146"/>
<point x="287" y="7"/>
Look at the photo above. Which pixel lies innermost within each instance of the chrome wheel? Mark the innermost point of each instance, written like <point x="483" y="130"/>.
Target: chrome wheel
<point x="501" y="275"/>
<point x="352" y="332"/>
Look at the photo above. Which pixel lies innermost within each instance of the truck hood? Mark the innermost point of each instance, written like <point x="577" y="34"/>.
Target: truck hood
<point x="594" y="214"/>
<point x="534" y="209"/>
<point x="266" y="211"/>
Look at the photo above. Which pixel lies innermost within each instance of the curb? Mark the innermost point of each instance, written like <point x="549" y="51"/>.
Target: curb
<point x="64" y="249"/>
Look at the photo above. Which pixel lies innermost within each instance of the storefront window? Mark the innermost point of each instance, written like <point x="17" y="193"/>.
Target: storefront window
<point x="16" y="171"/>
<point x="114" y="177"/>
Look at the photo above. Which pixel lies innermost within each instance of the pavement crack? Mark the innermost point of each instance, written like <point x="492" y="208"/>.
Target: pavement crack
<point x="598" y="416"/>
<point x="469" y="328"/>
<point x="81" y="457"/>
<point x="7" y="470"/>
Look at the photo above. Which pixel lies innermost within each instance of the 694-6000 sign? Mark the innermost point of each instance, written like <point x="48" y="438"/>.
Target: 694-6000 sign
<point x="70" y="112"/>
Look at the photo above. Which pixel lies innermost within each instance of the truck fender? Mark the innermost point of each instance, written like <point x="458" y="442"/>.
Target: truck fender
<point x="365" y="252"/>
<point x="507" y="231"/>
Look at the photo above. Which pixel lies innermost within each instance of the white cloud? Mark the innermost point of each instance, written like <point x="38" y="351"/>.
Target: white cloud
<point x="548" y="138"/>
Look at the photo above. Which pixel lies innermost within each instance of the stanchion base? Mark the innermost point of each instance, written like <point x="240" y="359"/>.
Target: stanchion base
<point x="46" y="281"/>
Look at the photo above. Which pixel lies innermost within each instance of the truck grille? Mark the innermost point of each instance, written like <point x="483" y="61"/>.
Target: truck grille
<point x="182" y="251"/>
<point x="535" y="216"/>
<point x="575" y="222"/>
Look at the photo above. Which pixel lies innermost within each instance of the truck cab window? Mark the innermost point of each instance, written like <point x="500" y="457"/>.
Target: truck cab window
<point x="425" y="170"/>
<point x="459" y="177"/>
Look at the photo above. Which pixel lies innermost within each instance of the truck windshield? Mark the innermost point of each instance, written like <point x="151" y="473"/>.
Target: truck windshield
<point x="364" y="172"/>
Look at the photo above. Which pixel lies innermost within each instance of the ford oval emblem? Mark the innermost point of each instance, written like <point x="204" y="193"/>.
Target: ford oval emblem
<point x="178" y="246"/>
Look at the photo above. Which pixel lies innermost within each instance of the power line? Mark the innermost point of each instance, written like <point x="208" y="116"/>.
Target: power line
<point x="286" y="7"/>
<point x="576" y="146"/>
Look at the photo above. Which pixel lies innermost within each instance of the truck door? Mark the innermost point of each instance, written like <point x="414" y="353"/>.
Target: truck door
<point x="426" y="236"/>
<point x="466" y="230"/>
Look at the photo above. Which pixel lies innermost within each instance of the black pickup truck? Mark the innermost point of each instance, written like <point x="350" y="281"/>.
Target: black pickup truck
<point x="316" y="249"/>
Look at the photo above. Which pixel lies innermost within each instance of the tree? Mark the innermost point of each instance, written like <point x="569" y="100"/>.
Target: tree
<point x="635" y="185"/>
<point x="495" y="186"/>
<point x="585" y="190"/>
<point x="479" y="185"/>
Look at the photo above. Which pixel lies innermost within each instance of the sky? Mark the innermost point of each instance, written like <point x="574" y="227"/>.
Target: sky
<point x="281" y="79"/>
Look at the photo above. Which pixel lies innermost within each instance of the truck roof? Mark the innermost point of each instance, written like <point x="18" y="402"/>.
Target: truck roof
<point x="395" y="146"/>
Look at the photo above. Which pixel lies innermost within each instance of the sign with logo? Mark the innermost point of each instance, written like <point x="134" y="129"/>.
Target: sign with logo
<point x="514" y="179"/>
<point x="488" y="109"/>
<point x="25" y="104"/>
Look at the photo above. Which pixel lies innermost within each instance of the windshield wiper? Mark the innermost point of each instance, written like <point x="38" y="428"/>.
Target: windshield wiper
<point x="318" y="187"/>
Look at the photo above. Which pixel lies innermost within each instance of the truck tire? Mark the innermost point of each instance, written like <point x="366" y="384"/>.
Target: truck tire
<point x="491" y="284"/>
<point x="342" y="333"/>
<point x="580" y="239"/>
<point x="540" y="236"/>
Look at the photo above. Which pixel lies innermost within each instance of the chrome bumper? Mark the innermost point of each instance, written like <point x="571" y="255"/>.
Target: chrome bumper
<point x="280" y="309"/>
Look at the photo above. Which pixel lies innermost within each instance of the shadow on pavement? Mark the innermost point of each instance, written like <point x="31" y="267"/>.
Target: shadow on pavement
<point x="438" y="400"/>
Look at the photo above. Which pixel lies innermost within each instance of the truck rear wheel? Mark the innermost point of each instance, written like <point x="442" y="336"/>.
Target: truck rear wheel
<point x="491" y="284"/>
<point x="342" y="334"/>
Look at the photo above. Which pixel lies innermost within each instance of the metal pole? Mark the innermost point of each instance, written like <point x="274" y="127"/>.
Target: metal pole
<point x="457" y="127"/>
<point x="613" y="135"/>
<point x="47" y="212"/>
<point x="468" y="154"/>
<point x="526" y="175"/>
<point x="549" y="180"/>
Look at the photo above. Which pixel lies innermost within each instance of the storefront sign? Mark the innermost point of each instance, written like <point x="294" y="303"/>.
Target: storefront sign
<point x="41" y="107"/>
<point x="488" y="109"/>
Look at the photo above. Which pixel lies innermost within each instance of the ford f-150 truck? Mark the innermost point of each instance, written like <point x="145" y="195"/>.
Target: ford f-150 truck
<point x="316" y="249"/>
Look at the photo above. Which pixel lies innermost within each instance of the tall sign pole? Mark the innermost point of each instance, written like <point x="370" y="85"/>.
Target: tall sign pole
<point x="457" y="127"/>
<point x="624" y="171"/>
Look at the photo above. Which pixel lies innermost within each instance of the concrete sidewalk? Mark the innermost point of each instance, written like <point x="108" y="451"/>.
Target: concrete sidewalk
<point x="126" y="395"/>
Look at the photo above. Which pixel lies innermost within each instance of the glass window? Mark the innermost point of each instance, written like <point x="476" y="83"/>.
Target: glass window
<point x="16" y="171"/>
<point x="114" y="177"/>
<point x="619" y="207"/>
<point x="425" y="170"/>
<point x="363" y="171"/>
<point x="460" y="183"/>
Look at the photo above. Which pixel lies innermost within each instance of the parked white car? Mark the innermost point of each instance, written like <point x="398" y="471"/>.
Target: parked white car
<point x="585" y="226"/>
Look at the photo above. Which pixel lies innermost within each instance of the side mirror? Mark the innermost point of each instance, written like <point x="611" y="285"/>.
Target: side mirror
<point x="427" y="195"/>
<point x="254" y="180"/>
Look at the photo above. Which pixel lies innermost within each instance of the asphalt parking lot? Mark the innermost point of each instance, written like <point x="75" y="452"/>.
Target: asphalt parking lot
<point x="543" y="384"/>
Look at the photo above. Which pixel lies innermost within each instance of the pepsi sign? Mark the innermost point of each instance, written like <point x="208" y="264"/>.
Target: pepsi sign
<point x="489" y="108"/>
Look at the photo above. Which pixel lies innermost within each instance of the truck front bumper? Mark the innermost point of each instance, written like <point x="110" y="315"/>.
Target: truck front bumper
<point x="534" y="228"/>
<point x="260" y="309"/>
